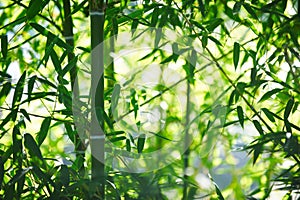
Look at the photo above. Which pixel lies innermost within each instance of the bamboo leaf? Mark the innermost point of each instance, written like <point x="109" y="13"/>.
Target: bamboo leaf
<point x="4" y="45"/>
<point x="4" y="92"/>
<point x="213" y="24"/>
<point x="258" y="127"/>
<point x="218" y="191"/>
<point x="158" y="35"/>
<point x="128" y="145"/>
<point x="240" y="115"/>
<point x="1" y="170"/>
<point x="32" y="147"/>
<point x="64" y="175"/>
<point x="201" y="7"/>
<point x="288" y="108"/>
<point x="43" y="130"/>
<point x="114" y="99"/>
<point x="237" y="7"/>
<point x="236" y="54"/>
<point x="154" y="17"/>
<point x="25" y="114"/>
<point x="250" y="10"/>
<point x="116" y="139"/>
<point x="269" y="94"/>
<point x="204" y="40"/>
<point x="69" y="66"/>
<point x="30" y="86"/>
<point x="141" y="143"/>
<point x="19" y="90"/>
<point x="35" y="6"/>
<point x="257" y="151"/>
<point x="51" y="36"/>
<point x="268" y="114"/>
<point x="19" y="175"/>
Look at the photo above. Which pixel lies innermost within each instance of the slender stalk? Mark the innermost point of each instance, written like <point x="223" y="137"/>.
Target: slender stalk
<point x="97" y="86"/>
<point x="186" y="142"/>
<point x="69" y="37"/>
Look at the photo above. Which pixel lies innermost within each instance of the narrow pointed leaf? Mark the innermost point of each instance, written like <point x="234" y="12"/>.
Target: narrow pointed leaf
<point x="240" y="115"/>
<point x="32" y="147"/>
<point x="268" y="114"/>
<point x="128" y="145"/>
<point x="4" y="92"/>
<point x="288" y="108"/>
<point x="115" y="98"/>
<point x="258" y="127"/>
<point x="43" y="130"/>
<point x="257" y="151"/>
<point x="269" y="94"/>
<point x="35" y="6"/>
<point x="4" y="45"/>
<point x="236" y="54"/>
<point x="19" y="89"/>
<point x="141" y="143"/>
<point x="25" y="114"/>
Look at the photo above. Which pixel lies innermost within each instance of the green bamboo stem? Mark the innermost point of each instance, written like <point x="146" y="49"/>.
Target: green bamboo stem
<point x="97" y="139"/>
<point x="69" y="37"/>
<point x="186" y="142"/>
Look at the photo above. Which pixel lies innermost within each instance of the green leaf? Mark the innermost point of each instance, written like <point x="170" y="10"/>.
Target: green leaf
<point x="69" y="66"/>
<point x="19" y="90"/>
<point x="64" y="175"/>
<point x="237" y="7"/>
<point x="154" y="17"/>
<point x="269" y="114"/>
<point x="32" y="147"/>
<point x="55" y="61"/>
<point x="19" y="175"/>
<point x="114" y="99"/>
<point x="236" y="54"/>
<point x="4" y="45"/>
<point x="258" y="127"/>
<point x="257" y="151"/>
<point x="25" y="114"/>
<point x="269" y="94"/>
<point x="134" y="25"/>
<point x="35" y="6"/>
<point x="4" y="92"/>
<point x="115" y="27"/>
<point x="288" y="108"/>
<point x="217" y="42"/>
<point x="214" y="23"/>
<point x="250" y="10"/>
<point x="158" y="34"/>
<point x="116" y="139"/>
<point x="201" y="7"/>
<point x="141" y="143"/>
<point x="1" y="170"/>
<point x="128" y="145"/>
<point x="43" y="130"/>
<point x="51" y="36"/>
<point x="240" y="115"/>
<point x="204" y="40"/>
<point x="30" y="85"/>
<point x="160" y="136"/>
<point x="218" y="191"/>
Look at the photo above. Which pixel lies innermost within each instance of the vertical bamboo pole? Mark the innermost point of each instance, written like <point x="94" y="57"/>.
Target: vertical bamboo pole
<point x="69" y="37"/>
<point x="97" y="86"/>
<point x="186" y="142"/>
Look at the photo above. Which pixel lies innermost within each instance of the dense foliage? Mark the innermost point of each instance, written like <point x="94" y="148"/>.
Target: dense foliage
<point x="220" y="99"/>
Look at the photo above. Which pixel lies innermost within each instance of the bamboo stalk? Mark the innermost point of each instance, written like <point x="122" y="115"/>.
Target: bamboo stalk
<point x="186" y="143"/>
<point x="69" y="37"/>
<point x="97" y="86"/>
